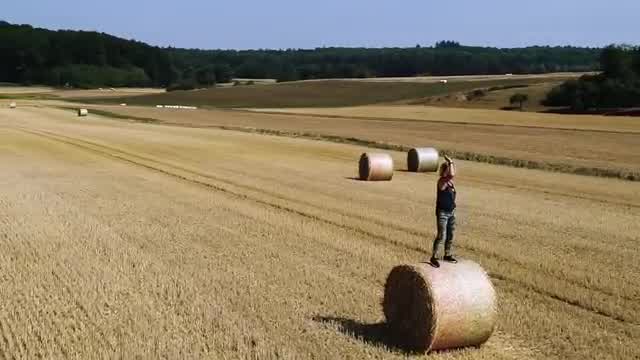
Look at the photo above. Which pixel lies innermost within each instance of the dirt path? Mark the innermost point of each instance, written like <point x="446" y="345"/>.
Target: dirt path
<point x="129" y="239"/>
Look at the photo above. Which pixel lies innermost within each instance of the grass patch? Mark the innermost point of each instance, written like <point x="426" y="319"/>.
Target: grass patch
<point x="329" y="93"/>
<point x="496" y="97"/>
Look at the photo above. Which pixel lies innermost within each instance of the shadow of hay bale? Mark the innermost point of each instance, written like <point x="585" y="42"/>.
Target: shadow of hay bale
<point x="374" y="334"/>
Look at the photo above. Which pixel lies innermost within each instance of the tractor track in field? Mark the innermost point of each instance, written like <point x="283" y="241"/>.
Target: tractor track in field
<point x="161" y="167"/>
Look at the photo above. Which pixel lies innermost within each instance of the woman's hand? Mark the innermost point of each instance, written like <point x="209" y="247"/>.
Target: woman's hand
<point x="448" y="159"/>
<point x="451" y="171"/>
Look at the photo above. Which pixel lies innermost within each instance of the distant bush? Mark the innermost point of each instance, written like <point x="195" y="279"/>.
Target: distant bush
<point x="507" y="87"/>
<point x="519" y="99"/>
<point x="478" y="93"/>
<point x="182" y="86"/>
<point x="618" y="86"/>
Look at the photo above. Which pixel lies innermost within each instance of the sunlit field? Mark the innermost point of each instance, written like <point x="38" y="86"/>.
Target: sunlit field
<point x="177" y="238"/>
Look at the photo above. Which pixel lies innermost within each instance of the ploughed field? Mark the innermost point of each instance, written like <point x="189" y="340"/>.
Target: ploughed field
<point x="128" y="239"/>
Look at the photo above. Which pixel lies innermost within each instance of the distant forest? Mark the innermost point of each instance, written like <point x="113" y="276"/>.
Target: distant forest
<point x="88" y="59"/>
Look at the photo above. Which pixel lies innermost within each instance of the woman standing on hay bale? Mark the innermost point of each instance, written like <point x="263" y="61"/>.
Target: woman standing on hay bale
<point x="445" y="212"/>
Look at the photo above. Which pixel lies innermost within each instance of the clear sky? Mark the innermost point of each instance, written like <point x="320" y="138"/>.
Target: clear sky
<point x="251" y="24"/>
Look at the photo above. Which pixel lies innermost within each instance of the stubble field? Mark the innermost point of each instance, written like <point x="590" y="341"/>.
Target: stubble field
<point x="585" y="145"/>
<point x="129" y="239"/>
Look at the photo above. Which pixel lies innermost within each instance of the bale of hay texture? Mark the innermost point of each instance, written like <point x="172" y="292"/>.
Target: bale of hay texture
<point x="12" y="105"/>
<point x="83" y="112"/>
<point x="376" y="167"/>
<point x="435" y="309"/>
<point x="423" y="160"/>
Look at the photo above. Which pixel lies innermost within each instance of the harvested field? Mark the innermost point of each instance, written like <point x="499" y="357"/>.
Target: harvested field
<point x="436" y="79"/>
<point x="318" y="93"/>
<point x="471" y="117"/>
<point x="22" y="90"/>
<point x="35" y="93"/>
<point x="586" y="145"/>
<point x="129" y="239"/>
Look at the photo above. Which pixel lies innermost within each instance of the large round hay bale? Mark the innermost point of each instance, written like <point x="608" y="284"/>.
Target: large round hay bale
<point x="12" y="105"/>
<point x="423" y="160"/>
<point x="376" y="167"/>
<point x="434" y="309"/>
<point x="83" y="112"/>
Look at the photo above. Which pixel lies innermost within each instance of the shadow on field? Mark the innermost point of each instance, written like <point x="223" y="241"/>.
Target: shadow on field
<point x="374" y="334"/>
<point x="353" y="178"/>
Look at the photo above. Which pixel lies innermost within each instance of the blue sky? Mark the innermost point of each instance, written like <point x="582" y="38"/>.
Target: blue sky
<point x="244" y="24"/>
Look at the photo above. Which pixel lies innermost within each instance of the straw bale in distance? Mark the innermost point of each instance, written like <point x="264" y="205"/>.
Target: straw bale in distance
<point x="423" y="160"/>
<point x="376" y="167"/>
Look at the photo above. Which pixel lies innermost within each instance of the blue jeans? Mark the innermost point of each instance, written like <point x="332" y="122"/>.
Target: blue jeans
<point x="446" y="228"/>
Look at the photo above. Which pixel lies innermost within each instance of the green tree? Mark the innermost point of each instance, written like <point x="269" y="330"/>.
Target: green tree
<point x="636" y="62"/>
<point x="447" y="44"/>
<point x="206" y="75"/>
<point x="520" y="99"/>
<point x="223" y="73"/>
<point x="615" y="62"/>
<point x="618" y="86"/>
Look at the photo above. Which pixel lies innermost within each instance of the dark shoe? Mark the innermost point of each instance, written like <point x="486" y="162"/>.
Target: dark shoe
<point x="450" y="259"/>
<point x="434" y="262"/>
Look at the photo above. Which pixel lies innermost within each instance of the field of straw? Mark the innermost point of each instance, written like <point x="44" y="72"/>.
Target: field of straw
<point x="592" y="145"/>
<point x="125" y="239"/>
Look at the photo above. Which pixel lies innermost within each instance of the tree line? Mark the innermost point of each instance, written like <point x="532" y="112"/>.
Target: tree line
<point x="617" y="86"/>
<point x="91" y="59"/>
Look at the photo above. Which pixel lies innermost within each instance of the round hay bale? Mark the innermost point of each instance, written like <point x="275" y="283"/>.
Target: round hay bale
<point x="376" y="167"/>
<point x="434" y="309"/>
<point x="423" y="160"/>
<point x="83" y="112"/>
<point x="12" y="105"/>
